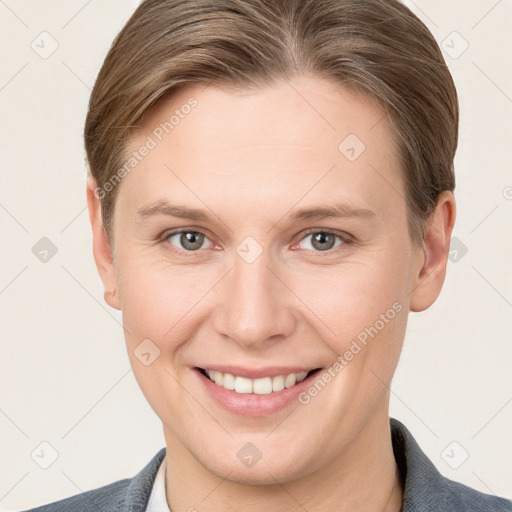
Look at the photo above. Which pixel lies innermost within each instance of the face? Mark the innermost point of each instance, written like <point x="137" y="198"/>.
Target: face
<point x="255" y="289"/>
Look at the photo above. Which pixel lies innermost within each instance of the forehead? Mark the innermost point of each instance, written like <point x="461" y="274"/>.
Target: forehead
<point x="304" y="137"/>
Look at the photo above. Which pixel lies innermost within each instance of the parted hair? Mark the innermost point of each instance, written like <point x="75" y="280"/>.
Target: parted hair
<point x="376" y="47"/>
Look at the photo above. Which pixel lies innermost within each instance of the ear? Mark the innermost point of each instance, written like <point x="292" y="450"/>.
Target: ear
<point x="101" y="245"/>
<point x="431" y="264"/>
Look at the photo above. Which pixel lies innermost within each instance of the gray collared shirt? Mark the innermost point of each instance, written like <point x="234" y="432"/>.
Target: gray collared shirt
<point x="425" y="489"/>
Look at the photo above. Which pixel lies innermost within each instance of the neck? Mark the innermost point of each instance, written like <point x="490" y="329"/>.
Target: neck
<point x="363" y="477"/>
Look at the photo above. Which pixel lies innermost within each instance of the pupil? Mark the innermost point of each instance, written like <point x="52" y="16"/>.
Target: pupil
<point x="191" y="240"/>
<point x="322" y="239"/>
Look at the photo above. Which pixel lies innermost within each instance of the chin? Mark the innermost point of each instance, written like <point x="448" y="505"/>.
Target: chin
<point x="259" y="474"/>
<point x="247" y="465"/>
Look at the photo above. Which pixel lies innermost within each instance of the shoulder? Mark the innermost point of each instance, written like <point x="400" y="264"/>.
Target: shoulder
<point x="107" y="498"/>
<point x="425" y="488"/>
<point x="130" y="494"/>
<point x="458" y="496"/>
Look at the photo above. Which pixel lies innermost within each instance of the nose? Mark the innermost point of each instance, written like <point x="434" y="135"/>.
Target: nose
<point x="255" y="306"/>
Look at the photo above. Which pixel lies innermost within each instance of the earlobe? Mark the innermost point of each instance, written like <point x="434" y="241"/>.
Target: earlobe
<point x="101" y="245"/>
<point x="430" y="271"/>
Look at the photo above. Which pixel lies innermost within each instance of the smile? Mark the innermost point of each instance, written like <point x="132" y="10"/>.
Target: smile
<point x="260" y="386"/>
<point x="255" y="392"/>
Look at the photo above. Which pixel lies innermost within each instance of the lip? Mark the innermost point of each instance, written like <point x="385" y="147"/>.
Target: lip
<point x="253" y="405"/>
<point x="258" y="373"/>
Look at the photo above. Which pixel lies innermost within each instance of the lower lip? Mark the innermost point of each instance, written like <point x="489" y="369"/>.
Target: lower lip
<point x="251" y="404"/>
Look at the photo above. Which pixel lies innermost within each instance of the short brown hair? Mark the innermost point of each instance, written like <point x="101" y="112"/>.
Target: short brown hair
<point x="374" y="46"/>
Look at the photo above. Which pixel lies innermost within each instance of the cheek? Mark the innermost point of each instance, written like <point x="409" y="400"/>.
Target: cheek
<point x="156" y="305"/>
<point x="345" y="300"/>
<point x="160" y="300"/>
<point x="146" y="321"/>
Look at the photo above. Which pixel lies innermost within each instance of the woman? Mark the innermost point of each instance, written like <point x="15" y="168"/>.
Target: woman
<point x="270" y="193"/>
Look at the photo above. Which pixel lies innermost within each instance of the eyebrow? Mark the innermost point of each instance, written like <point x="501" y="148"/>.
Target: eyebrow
<point x="162" y="207"/>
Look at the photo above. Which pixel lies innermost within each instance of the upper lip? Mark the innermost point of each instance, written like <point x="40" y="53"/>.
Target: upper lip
<point x="257" y="373"/>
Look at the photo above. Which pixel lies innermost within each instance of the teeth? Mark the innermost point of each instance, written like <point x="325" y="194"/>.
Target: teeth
<point x="263" y="386"/>
<point x="290" y="380"/>
<point x="242" y="385"/>
<point x="278" y="383"/>
<point x="229" y="381"/>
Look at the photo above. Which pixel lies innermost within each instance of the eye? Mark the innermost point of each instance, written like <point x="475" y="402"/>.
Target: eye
<point x="323" y="241"/>
<point x="186" y="240"/>
<point x="192" y="240"/>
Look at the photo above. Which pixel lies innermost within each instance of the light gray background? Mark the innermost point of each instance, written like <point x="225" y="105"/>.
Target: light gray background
<point x="65" y="377"/>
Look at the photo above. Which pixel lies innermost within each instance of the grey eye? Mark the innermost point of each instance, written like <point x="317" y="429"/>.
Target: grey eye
<point x="322" y="240"/>
<point x="188" y="240"/>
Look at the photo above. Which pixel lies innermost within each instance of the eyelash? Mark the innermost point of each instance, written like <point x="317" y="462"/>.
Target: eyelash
<point x="344" y="237"/>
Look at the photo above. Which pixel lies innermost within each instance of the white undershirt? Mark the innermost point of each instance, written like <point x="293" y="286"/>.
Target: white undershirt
<point x="157" y="500"/>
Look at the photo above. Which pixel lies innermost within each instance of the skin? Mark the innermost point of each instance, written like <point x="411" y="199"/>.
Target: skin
<point x="254" y="157"/>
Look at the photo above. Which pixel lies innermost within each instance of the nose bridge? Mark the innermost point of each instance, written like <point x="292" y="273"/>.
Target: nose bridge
<point x="255" y="305"/>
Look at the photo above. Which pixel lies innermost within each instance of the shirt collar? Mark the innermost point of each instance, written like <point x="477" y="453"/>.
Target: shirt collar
<point x="157" y="501"/>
